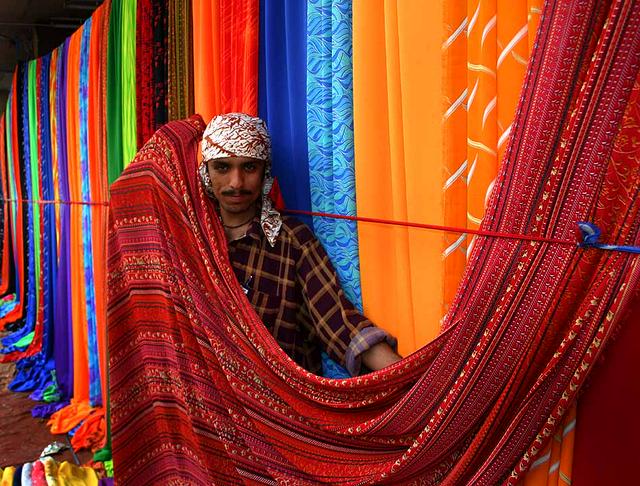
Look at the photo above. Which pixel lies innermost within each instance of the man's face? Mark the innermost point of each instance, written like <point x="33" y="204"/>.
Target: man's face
<point x="236" y="182"/>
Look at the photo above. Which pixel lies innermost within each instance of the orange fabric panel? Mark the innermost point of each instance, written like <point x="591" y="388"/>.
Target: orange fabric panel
<point x="482" y="133"/>
<point x="98" y="171"/>
<point x="397" y="82"/>
<point x="454" y="130"/>
<point x="225" y="52"/>
<point x="206" y="58"/>
<point x="79" y="309"/>
<point x="513" y="55"/>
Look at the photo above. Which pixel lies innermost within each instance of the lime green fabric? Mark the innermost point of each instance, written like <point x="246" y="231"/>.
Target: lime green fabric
<point x="128" y="80"/>
<point x="25" y="340"/>
<point x="35" y="178"/>
<point x="114" y="94"/>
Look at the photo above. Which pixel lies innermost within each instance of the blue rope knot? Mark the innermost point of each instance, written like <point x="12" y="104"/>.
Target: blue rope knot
<point x="591" y="236"/>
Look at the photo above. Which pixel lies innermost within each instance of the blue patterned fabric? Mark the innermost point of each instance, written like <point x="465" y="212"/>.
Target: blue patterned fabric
<point x="330" y="136"/>
<point x="35" y="372"/>
<point x="282" y="95"/>
<point x="43" y="364"/>
<point x="48" y="211"/>
<point x="95" y="397"/>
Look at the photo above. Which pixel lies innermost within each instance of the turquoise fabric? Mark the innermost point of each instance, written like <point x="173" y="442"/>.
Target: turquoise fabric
<point x="330" y="136"/>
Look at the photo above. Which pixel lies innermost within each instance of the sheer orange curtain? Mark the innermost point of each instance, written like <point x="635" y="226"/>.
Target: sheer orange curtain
<point x="436" y="86"/>
<point x="79" y="307"/>
<point x="397" y="81"/>
<point x="225" y="55"/>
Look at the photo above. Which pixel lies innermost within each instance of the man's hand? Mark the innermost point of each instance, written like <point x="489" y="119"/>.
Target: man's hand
<point x="379" y="356"/>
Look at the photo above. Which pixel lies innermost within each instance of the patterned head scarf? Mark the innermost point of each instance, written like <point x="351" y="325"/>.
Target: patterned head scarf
<point x="242" y="135"/>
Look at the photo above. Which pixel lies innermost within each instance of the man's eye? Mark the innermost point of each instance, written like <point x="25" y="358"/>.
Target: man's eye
<point x="220" y="168"/>
<point x="250" y="167"/>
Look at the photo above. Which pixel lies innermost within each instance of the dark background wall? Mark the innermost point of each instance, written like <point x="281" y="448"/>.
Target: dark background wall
<point x="31" y="28"/>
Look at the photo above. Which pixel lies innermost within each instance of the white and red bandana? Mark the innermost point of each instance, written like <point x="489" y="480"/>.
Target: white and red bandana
<point x="236" y="135"/>
<point x="242" y="135"/>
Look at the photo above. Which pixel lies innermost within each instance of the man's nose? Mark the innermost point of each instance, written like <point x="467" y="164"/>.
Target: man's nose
<point x="236" y="179"/>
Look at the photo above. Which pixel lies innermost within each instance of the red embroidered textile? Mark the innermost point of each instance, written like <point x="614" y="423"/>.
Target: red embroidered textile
<point x="201" y="392"/>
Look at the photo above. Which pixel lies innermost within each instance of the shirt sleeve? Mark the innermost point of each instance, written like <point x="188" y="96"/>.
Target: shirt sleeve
<point x="344" y="332"/>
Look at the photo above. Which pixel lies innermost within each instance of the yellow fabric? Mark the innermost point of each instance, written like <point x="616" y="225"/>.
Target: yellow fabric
<point x="7" y="476"/>
<point x="51" y="472"/>
<point x="72" y="475"/>
<point x="397" y="84"/>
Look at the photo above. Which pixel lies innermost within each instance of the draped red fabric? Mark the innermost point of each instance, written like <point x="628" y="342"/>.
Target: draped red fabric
<point x="607" y="454"/>
<point x="611" y="395"/>
<point x="202" y="393"/>
<point x="17" y="230"/>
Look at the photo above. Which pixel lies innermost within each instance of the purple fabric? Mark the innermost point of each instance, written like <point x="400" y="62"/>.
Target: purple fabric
<point x="46" y="410"/>
<point x="63" y="344"/>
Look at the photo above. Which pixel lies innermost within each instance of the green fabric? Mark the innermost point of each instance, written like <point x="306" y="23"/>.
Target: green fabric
<point x="104" y="454"/>
<point x="114" y="94"/>
<point x="25" y="341"/>
<point x="51" y="394"/>
<point x="128" y="79"/>
<point x="35" y="176"/>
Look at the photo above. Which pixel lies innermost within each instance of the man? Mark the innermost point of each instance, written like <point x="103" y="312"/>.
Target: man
<point x="282" y="267"/>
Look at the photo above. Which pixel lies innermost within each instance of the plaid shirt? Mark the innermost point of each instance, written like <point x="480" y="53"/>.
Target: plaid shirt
<point x="295" y="290"/>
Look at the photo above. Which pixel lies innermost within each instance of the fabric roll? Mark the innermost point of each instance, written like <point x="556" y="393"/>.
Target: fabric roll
<point x="398" y="165"/>
<point x="282" y="67"/>
<point x="114" y="93"/>
<point x="27" y="469"/>
<point x="63" y="327"/>
<point x="78" y="283"/>
<point x="15" y="189"/>
<point x="206" y="59"/>
<point x="180" y="88"/>
<point x="160" y="62"/>
<point x="97" y="167"/>
<point x="5" y="254"/>
<point x="145" y="115"/>
<point x="30" y="324"/>
<point x="330" y="137"/>
<point x="225" y="53"/>
<point x="95" y="394"/>
<point x="128" y="79"/>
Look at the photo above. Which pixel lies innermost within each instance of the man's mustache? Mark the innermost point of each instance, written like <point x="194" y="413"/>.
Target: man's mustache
<point x="238" y="192"/>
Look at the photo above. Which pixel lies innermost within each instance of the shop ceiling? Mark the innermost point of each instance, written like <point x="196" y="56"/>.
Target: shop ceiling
<point x="31" y="28"/>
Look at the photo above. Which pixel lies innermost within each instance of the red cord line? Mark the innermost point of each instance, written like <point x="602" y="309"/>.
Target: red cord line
<point x="449" y="229"/>
<point x="44" y="201"/>
<point x="408" y="224"/>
